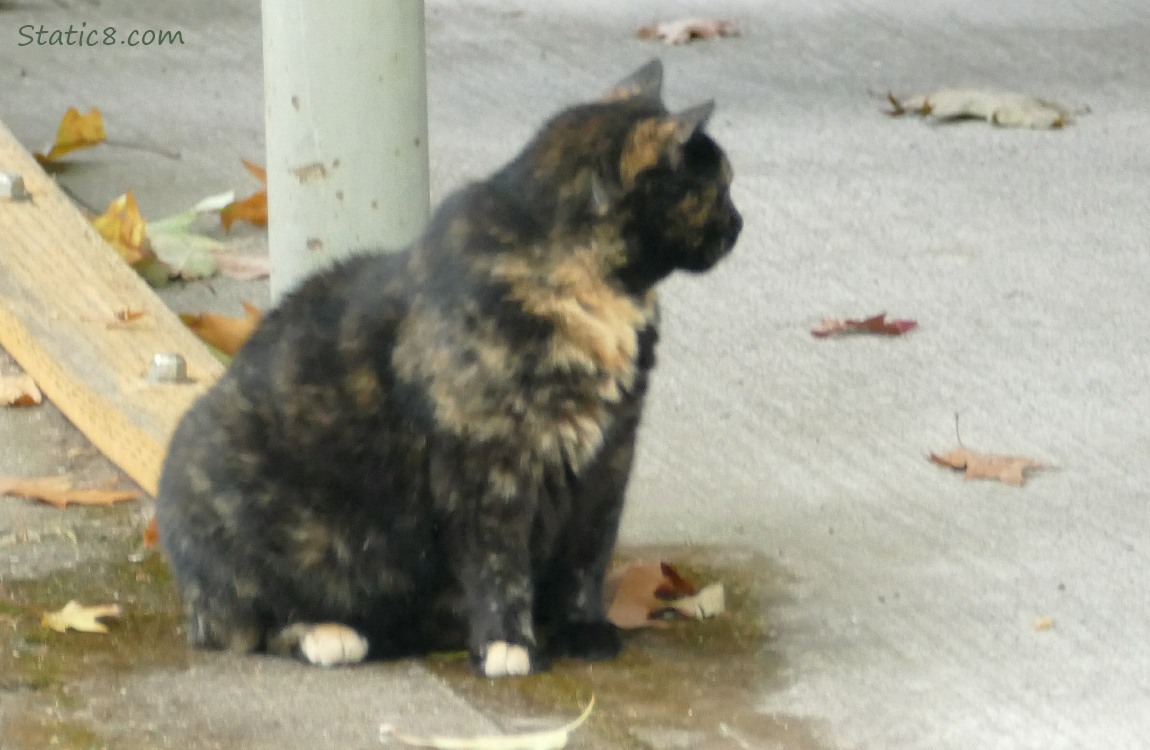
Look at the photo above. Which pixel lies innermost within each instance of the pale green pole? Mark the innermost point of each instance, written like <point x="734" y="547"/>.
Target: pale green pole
<point x="345" y="99"/>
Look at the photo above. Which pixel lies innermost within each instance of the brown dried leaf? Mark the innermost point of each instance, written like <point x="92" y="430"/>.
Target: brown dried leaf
<point x="19" y="390"/>
<point x="224" y="332"/>
<point x="638" y="591"/>
<point x="253" y="208"/>
<point x="76" y="616"/>
<point x="874" y="324"/>
<point x="685" y="30"/>
<point x="1006" y="469"/>
<point x="58" y="492"/>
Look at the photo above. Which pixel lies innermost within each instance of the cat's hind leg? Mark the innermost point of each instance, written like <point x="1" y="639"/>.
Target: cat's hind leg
<point x="325" y="644"/>
<point x="215" y="623"/>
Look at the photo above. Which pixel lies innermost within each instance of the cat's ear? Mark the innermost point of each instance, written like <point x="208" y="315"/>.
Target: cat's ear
<point x="646" y="82"/>
<point x="690" y="120"/>
<point x="655" y="138"/>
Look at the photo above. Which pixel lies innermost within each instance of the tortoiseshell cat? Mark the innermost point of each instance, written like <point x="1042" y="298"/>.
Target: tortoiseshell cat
<point x="428" y="450"/>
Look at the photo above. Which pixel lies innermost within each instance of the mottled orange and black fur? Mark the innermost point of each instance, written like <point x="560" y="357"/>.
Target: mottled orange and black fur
<point x="429" y="450"/>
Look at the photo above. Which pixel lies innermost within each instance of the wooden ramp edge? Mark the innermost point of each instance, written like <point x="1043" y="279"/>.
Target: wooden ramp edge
<point x="61" y="288"/>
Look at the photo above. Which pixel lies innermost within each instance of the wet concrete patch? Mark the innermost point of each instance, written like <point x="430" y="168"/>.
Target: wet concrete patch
<point x="41" y="670"/>
<point x="691" y="685"/>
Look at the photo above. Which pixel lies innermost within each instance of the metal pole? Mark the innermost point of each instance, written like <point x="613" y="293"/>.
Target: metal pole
<point x="345" y="89"/>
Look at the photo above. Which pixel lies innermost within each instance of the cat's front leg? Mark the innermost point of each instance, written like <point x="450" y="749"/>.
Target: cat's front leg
<point x="488" y="511"/>
<point x="571" y="597"/>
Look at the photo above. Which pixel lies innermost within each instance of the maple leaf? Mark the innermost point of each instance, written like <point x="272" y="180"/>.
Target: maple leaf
<point x="1006" y="469"/>
<point x="253" y="208"/>
<point x="76" y="131"/>
<point x="224" y="332"/>
<point x="874" y="324"/>
<point x="685" y="30"/>
<point x="552" y="739"/>
<point x="58" y="492"/>
<point x="638" y="593"/>
<point x="1004" y="108"/>
<point x="76" y="616"/>
<point x="19" y="390"/>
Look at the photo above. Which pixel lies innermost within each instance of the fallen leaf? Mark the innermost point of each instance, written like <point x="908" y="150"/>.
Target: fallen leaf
<point x="256" y="171"/>
<point x="124" y="228"/>
<point x="19" y="390"/>
<point x="76" y="616"/>
<point x="76" y="131"/>
<point x="252" y="209"/>
<point x="58" y="492"/>
<point x="242" y="266"/>
<point x="1043" y="623"/>
<point x="224" y="332"/>
<point x="553" y="739"/>
<point x="639" y="592"/>
<point x="188" y="254"/>
<point x="1005" y="108"/>
<point x="874" y="324"/>
<point x="151" y="534"/>
<point x="710" y="602"/>
<point x="687" y="29"/>
<point x="1006" y="469"/>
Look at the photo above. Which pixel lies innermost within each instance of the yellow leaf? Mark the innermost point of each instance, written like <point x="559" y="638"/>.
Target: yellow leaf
<point x="224" y="332"/>
<point x="553" y="739"/>
<point x="124" y="228"/>
<point x="76" y="616"/>
<point x="58" y="492"/>
<point x="76" y="131"/>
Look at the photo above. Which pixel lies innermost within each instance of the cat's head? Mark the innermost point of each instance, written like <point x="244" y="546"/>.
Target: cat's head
<point x="655" y="176"/>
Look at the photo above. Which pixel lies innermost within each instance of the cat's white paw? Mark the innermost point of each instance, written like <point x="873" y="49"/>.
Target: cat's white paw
<point x="505" y="660"/>
<point x="330" y="644"/>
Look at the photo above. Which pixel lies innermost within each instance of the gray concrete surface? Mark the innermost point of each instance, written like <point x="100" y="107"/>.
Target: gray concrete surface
<point x="910" y="595"/>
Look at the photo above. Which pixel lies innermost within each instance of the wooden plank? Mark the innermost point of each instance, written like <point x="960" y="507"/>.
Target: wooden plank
<point x="61" y="287"/>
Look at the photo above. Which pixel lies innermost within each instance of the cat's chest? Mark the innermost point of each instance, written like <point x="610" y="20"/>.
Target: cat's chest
<point x="554" y="396"/>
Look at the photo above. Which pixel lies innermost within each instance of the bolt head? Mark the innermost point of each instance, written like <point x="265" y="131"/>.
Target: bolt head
<point x="167" y="367"/>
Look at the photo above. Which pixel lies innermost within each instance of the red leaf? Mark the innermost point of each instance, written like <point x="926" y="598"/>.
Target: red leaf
<point x="874" y="324"/>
